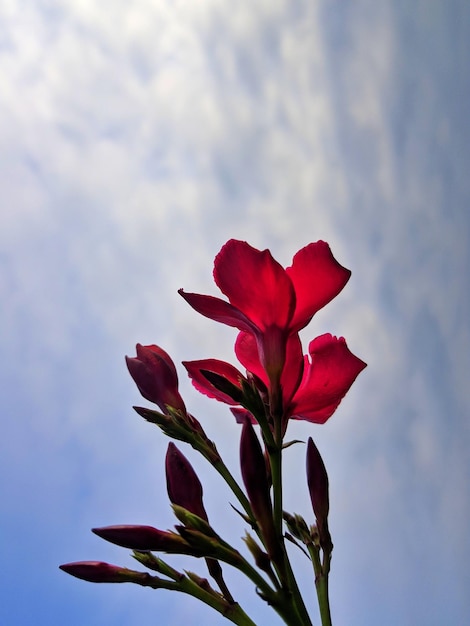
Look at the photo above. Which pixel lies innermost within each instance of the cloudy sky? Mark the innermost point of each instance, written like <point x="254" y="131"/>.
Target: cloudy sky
<point x="135" y="139"/>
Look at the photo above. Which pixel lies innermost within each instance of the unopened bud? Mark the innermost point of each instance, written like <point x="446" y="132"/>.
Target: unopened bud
<point x="253" y="468"/>
<point x="317" y="480"/>
<point x="143" y="538"/>
<point x="184" y="487"/>
<point x="261" y="558"/>
<point x="97" y="572"/>
<point x="155" y="375"/>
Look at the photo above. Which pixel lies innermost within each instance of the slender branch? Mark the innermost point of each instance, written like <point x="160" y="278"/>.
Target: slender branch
<point x="191" y="585"/>
<point x="232" y="612"/>
<point x="284" y="568"/>
<point x="223" y="470"/>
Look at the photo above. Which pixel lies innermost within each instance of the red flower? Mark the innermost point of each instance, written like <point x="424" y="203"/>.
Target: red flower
<point x="155" y="375"/>
<point x="327" y="374"/>
<point x="268" y="301"/>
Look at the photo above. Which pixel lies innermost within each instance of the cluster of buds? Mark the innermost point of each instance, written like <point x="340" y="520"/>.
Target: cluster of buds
<point x="269" y="305"/>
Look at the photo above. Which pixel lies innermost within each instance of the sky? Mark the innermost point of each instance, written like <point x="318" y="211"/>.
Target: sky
<point x="135" y="139"/>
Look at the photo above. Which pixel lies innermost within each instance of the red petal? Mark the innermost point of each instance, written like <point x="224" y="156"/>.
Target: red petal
<point x="218" y="310"/>
<point x="222" y="368"/>
<point x="293" y="369"/>
<point x="241" y="415"/>
<point x="255" y="283"/>
<point x="145" y="353"/>
<point x="326" y="379"/>
<point x="246" y="349"/>
<point x="247" y="353"/>
<point x="317" y="278"/>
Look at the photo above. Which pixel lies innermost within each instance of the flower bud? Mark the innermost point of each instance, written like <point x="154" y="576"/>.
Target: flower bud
<point x="253" y="468"/>
<point x="96" y="571"/>
<point x="317" y="480"/>
<point x="183" y="485"/>
<point x="262" y="560"/>
<point x="155" y="375"/>
<point x="143" y="538"/>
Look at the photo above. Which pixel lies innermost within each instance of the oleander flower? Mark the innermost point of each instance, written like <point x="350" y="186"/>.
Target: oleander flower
<point x="326" y="375"/>
<point x="328" y="372"/>
<point x="267" y="301"/>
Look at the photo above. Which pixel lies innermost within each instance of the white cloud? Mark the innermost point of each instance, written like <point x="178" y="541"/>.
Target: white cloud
<point x="134" y="142"/>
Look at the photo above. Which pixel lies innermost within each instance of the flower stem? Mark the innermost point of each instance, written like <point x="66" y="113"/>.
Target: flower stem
<point x="189" y="584"/>
<point x="223" y="470"/>
<point x="321" y="582"/>
<point x="323" y="602"/>
<point x="284" y="568"/>
<point x="232" y="612"/>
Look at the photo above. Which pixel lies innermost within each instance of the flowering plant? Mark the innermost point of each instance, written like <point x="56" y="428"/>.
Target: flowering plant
<point x="268" y="305"/>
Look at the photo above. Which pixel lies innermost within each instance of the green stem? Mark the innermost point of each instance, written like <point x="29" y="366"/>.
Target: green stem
<point x="179" y="582"/>
<point x="223" y="470"/>
<point x="284" y="568"/>
<point x="232" y="612"/>
<point x="323" y="601"/>
<point x="321" y="582"/>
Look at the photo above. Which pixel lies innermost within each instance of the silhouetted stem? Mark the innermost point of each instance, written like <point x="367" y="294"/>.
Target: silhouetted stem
<point x="223" y="470"/>
<point x="232" y="612"/>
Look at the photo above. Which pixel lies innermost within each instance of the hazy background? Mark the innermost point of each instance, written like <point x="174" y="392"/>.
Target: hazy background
<point x="135" y="139"/>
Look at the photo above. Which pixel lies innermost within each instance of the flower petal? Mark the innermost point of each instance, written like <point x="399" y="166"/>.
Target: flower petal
<point x="246" y="349"/>
<point x="327" y="378"/>
<point x="317" y="278"/>
<point x="218" y="310"/>
<point x="241" y="415"/>
<point x="255" y="284"/>
<point x="201" y="383"/>
<point x="247" y="353"/>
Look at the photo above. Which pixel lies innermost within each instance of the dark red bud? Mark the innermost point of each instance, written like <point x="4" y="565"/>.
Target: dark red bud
<point x="253" y="468"/>
<point x="183" y="485"/>
<point x="142" y="538"/>
<point x="95" y="571"/>
<point x="317" y="480"/>
<point x="155" y="375"/>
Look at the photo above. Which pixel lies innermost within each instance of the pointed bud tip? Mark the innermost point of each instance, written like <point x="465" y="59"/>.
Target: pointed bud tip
<point x="93" y="571"/>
